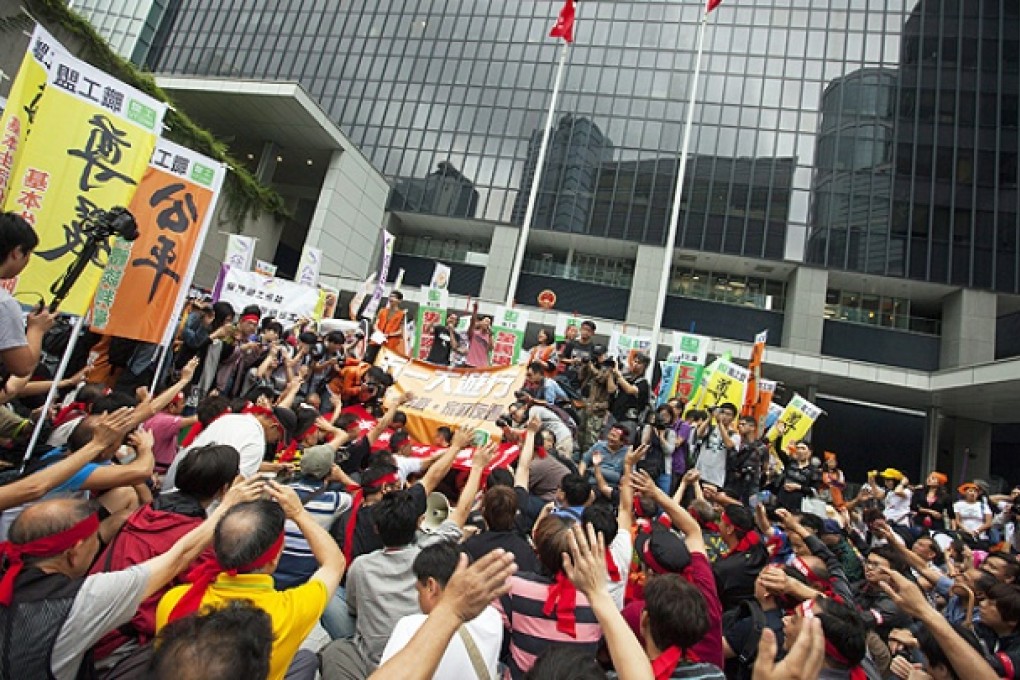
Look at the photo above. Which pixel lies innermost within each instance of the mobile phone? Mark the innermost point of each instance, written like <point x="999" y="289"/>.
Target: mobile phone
<point x="480" y="438"/>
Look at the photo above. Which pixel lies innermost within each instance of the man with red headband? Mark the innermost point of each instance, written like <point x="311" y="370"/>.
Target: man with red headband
<point x="59" y="613"/>
<point x="736" y="571"/>
<point x="238" y="357"/>
<point x="845" y="638"/>
<point x="248" y="543"/>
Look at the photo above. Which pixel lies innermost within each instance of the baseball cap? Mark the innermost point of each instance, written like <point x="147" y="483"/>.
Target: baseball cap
<point x="317" y="461"/>
<point x="662" y="551"/>
<point x="287" y="420"/>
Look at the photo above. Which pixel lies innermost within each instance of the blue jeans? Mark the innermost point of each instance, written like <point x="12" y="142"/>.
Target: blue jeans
<point x="663" y="482"/>
<point x="336" y="619"/>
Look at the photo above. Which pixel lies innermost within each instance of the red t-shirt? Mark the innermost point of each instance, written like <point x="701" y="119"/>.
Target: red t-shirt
<point x="699" y="574"/>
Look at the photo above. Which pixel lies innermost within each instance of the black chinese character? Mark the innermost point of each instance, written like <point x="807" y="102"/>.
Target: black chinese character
<point x="180" y="166"/>
<point x="174" y="217"/>
<point x="103" y="151"/>
<point x="112" y="99"/>
<point x="67" y="78"/>
<point x="87" y="92"/>
<point x="161" y="158"/>
<point x="42" y="53"/>
<point x="163" y="256"/>
<point x="84" y="211"/>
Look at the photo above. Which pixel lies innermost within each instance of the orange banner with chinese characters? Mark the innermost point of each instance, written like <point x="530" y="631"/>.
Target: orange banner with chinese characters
<point x="145" y="281"/>
<point x="451" y="396"/>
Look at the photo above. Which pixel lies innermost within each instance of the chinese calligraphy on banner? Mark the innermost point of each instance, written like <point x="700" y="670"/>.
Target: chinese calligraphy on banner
<point x="22" y="104"/>
<point x="431" y="313"/>
<point x="451" y="396"/>
<point x="91" y="143"/>
<point x="682" y="371"/>
<point x="240" y="251"/>
<point x="505" y="453"/>
<point x="508" y="335"/>
<point x="384" y="270"/>
<point x="309" y="266"/>
<point x="799" y="415"/>
<point x="173" y="206"/>
<point x="725" y="385"/>
<point x="283" y="300"/>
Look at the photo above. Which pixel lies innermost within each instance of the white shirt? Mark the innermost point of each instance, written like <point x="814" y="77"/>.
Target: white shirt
<point x="971" y="515"/>
<point x="486" y="630"/>
<point x="621" y="550"/>
<point x="242" y="431"/>
<point x="897" y="507"/>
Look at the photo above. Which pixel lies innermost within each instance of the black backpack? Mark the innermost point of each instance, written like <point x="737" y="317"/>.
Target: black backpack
<point x="747" y="654"/>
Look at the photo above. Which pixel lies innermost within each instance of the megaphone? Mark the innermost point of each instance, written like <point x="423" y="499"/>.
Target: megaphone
<point x="437" y="509"/>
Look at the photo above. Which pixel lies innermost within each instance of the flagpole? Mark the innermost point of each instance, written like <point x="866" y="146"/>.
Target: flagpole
<point x="529" y="213"/>
<point x="54" y="386"/>
<point x="674" y="217"/>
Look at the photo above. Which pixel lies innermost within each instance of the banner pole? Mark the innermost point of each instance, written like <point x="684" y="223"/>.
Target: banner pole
<point x="674" y="217"/>
<point x="57" y="377"/>
<point x="529" y="213"/>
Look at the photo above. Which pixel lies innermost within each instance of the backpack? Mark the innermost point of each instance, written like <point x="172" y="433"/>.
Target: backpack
<point x="746" y="654"/>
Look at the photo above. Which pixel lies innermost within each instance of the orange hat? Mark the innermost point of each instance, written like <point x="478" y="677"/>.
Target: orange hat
<point x="942" y="478"/>
<point x="830" y="455"/>
<point x="963" y="488"/>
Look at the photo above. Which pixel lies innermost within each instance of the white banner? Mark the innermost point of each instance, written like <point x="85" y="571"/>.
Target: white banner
<point x="308" y="268"/>
<point x="384" y="270"/>
<point x="240" y="252"/>
<point x="440" y="277"/>
<point x="283" y="300"/>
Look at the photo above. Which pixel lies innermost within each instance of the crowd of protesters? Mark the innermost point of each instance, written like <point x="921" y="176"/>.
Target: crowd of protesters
<point x="262" y="516"/>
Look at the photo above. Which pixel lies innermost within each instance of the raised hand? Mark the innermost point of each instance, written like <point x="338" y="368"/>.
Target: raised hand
<point x="472" y="588"/>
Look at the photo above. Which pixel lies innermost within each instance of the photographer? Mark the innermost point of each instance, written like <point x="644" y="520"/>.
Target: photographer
<point x="19" y="348"/>
<point x="327" y="358"/>
<point x="521" y="411"/>
<point x="716" y="439"/>
<point x="630" y="391"/>
<point x="594" y="375"/>
<point x="660" y="438"/>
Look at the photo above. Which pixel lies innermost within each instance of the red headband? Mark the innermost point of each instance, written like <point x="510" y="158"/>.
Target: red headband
<point x="649" y="559"/>
<point x="47" y="546"/>
<point x="250" y="317"/>
<point x="204" y="574"/>
<point x="253" y="410"/>
<point x="391" y="478"/>
<point x="563" y="598"/>
<point x="802" y="566"/>
<point x="359" y="499"/>
<point x="75" y="408"/>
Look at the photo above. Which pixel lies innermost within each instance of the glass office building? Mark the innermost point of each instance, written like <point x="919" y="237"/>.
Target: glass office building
<point x="871" y="135"/>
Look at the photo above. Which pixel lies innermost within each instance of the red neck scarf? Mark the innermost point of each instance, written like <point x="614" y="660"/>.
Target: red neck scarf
<point x="48" y="546"/>
<point x="748" y="541"/>
<point x="664" y="664"/>
<point x="856" y="672"/>
<point x="204" y="574"/>
<point x="563" y="598"/>
<point x="357" y="502"/>
<point x="611" y="568"/>
<point x="72" y="410"/>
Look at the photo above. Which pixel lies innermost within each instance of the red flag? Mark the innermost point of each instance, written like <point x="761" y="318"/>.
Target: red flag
<point x="712" y="4"/>
<point x="564" y="27"/>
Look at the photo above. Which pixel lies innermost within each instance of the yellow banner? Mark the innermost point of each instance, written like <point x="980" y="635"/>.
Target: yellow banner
<point x="90" y="145"/>
<point x="725" y="385"/>
<point x="451" y="396"/>
<point x="22" y="104"/>
<point x="799" y="415"/>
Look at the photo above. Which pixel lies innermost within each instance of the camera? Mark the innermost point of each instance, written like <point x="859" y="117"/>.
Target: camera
<point x="660" y="422"/>
<point x="113" y="222"/>
<point x="586" y="359"/>
<point x="608" y="362"/>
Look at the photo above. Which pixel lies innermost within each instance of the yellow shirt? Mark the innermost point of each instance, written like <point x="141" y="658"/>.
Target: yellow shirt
<point x="294" y="612"/>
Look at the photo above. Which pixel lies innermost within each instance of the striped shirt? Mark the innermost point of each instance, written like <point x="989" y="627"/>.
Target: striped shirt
<point x="531" y="631"/>
<point x="297" y="563"/>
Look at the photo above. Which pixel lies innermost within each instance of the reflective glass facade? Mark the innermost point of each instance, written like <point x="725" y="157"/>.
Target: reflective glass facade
<point x="870" y="135"/>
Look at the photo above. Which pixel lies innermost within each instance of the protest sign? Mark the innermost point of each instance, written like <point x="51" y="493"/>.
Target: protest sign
<point x="173" y="206"/>
<point x="240" y="252"/>
<point x="92" y="138"/>
<point x="451" y="396"/>
<point x="431" y="313"/>
<point x="799" y="416"/>
<point x="508" y="335"/>
<point x="309" y="266"/>
<point x="283" y="300"/>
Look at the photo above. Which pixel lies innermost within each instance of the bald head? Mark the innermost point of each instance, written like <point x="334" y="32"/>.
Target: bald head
<point x="247" y="531"/>
<point x="47" y="518"/>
